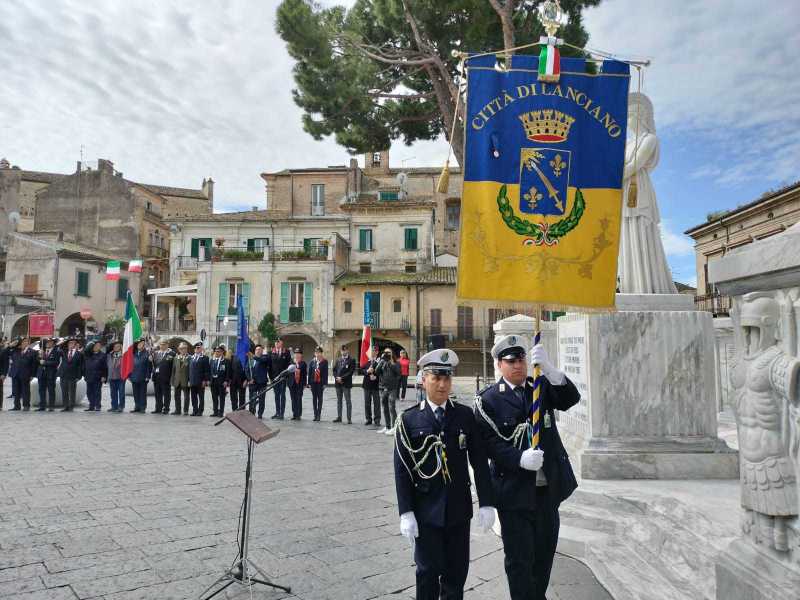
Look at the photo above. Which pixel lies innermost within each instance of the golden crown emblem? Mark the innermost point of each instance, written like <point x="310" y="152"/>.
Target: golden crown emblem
<point x="546" y="125"/>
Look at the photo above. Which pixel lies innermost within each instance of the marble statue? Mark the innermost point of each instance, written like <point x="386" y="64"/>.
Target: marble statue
<point x="642" y="267"/>
<point x="764" y="377"/>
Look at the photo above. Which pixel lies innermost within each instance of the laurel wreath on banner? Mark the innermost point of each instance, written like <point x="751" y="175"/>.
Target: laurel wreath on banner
<point x="540" y="232"/>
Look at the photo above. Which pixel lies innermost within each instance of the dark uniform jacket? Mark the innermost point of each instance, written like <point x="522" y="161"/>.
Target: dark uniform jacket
<point x="278" y="362"/>
<point x="25" y="363"/>
<point x="162" y="365"/>
<point x="4" y="352"/>
<point x="71" y="368"/>
<point x="344" y="368"/>
<point x="180" y="370"/>
<point x="322" y="367"/>
<point x="220" y="370"/>
<point x="238" y="376"/>
<point x="199" y="369"/>
<point x="95" y="366"/>
<point x="142" y="367"/>
<point x="48" y="370"/>
<point x="515" y="487"/>
<point x="292" y="379"/>
<point x="433" y="501"/>
<point x="259" y="369"/>
<point x="367" y="383"/>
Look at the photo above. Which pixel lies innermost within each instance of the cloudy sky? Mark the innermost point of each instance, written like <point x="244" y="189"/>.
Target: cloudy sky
<point x="176" y="91"/>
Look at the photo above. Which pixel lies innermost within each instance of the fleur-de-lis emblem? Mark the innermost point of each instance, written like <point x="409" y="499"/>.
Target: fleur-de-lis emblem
<point x="533" y="196"/>
<point x="558" y="165"/>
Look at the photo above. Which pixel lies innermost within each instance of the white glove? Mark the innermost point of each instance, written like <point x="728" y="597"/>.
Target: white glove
<point x="408" y="526"/>
<point x="539" y="357"/>
<point x="486" y="518"/>
<point x="531" y="460"/>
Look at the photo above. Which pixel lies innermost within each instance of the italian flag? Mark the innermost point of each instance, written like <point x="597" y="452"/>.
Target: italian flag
<point x="133" y="331"/>
<point x="135" y="266"/>
<point x="112" y="270"/>
<point x="549" y="61"/>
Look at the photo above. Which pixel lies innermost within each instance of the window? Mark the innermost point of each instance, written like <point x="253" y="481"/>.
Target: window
<point x="411" y="267"/>
<point x="348" y="306"/>
<point x="364" y="267"/>
<point x="397" y="305"/>
<point x="122" y="288"/>
<point x="388" y="196"/>
<point x="228" y="293"/>
<point x="314" y="247"/>
<point x="453" y="216"/>
<point x="365" y="240"/>
<point x="297" y="300"/>
<point x="376" y="159"/>
<point x="411" y="238"/>
<point x="30" y="284"/>
<point x="201" y="248"/>
<point x="82" y="283"/>
<point x="465" y="331"/>
<point x="234" y="289"/>
<point x="317" y="200"/>
<point x="436" y="321"/>
<point x="257" y="244"/>
<point x="2" y="270"/>
<point x="296" y="295"/>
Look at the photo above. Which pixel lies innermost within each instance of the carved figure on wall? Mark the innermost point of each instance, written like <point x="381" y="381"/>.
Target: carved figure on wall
<point x="764" y="377"/>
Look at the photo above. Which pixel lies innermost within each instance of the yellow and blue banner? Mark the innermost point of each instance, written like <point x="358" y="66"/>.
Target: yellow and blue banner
<point x="542" y="197"/>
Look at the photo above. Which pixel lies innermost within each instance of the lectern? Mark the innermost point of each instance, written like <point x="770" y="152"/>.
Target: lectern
<point x="243" y="569"/>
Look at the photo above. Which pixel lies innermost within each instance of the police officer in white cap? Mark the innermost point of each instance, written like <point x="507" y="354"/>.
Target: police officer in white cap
<point x="433" y="442"/>
<point x="529" y="482"/>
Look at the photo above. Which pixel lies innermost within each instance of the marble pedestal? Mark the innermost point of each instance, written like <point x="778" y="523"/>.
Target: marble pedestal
<point x="746" y="571"/>
<point x="648" y="402"/>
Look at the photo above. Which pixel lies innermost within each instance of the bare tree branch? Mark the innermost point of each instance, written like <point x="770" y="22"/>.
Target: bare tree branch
<point x="505" y="10"/>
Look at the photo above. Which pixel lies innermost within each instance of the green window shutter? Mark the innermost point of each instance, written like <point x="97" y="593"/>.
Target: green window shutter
<point x="251" y="245"/>
<point x="122" y="288"/>
<point x="284" y="302"/>
<point x="195" y="248"/>
<point x="223" y="299"/>
<point x="307" y="245"/>
<point x="246" y="298"/>
<point x="362" y="236"/>
<point x="83" y="284"/>
<point x="308" y="302"/>
<point x="411" y="239"/>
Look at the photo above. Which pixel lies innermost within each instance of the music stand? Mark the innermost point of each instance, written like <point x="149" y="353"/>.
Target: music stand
<point x="240" y="571"/>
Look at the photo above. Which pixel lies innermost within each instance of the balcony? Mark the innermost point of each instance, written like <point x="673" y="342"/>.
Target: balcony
<point x="717" y="304"/>
<point x="175" y="326"/>
<point x="187" y="263"/>
<point x="390" y="321"/>
<point x="296" y="314"/>
<point x="270" y="253"/>
<point x="156" y="251"/>
<point x="456" y="337"/>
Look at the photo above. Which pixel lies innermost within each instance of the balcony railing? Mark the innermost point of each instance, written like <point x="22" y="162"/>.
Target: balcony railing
<point x="157" y="251"/>
<point x="296" y="314"/>
<point x="269" y="253"/>
<point x="716" y="304"/>
<point x="187" y="263"/>
<point x="378" y="321"/>
<point x="174" y="326"/>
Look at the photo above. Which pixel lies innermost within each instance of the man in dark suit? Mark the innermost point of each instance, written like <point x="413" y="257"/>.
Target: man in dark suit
<point x="297" y="384"/>
<point x="25" y="362"/>
<point x="257" y="373"/>
<point x="162" y="375"/>
<point x="280" y="358"/>
<point x="318" y="379"/>
<point x="238" y="383"/>
<point x="372" y="396"/>
<point x="343" y="382"/>
<point x="529" y="482"/>
<point x="220" y="379"/>
<point x="199" y="376"/>
<point x="4" y="352"/>
<point x="435" y="442"/>
<point x="46" y="374"/>
<point x="70" y="370"/>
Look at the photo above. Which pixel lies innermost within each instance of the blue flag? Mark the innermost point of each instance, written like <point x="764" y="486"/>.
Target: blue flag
<point x="242" y="339"/>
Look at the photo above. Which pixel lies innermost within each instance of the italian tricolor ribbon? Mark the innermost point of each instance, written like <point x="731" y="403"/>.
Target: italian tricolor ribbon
<point x="549" y="60"/>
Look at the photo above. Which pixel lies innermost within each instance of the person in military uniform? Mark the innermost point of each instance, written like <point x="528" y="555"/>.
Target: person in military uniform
<point x="220" y="379"/>
<point x="529" y="482"/>
<point x="46" y="374"/>
<point x="199" y="376"/>
<point x="238" y="383"/>
<point x="162" y="374"/>
<point x="4" y="352"/>
<point x="70" y="370"/>
<point x="279" y="359"/>
<point x="180" y="378"/>
<point x="434" y="441"/>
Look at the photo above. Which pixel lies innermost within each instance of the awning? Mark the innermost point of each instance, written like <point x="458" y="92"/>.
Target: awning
<point x="177" y="291"/>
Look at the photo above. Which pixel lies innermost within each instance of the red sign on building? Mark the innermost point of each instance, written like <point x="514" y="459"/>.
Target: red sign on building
<point x="41" y="325"/>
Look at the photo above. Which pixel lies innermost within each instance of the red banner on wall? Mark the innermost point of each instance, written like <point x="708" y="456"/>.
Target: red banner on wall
<point x="41" y="325"/>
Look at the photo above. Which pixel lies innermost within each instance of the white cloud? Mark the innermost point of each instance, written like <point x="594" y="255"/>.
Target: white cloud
<point x="675" y="244"/>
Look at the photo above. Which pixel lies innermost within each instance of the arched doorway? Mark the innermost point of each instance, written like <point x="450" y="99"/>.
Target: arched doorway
<point x="73" y="325"/>
<point x="300" y="340"/>
<point x="20" y="327"/>
<point x="354" y="346"/>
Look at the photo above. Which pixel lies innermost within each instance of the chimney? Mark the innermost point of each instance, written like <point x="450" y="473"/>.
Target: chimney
<point x="208" y="192"/>
<point x="105" y="166"/>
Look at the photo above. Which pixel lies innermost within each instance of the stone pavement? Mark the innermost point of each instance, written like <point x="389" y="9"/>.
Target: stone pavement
<point x="128" y="506"/>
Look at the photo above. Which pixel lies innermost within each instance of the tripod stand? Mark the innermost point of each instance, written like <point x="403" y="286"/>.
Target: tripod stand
<point x="243" y="568"/>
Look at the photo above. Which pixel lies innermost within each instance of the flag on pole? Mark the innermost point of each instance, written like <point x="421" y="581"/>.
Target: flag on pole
<point x="135" y="266"/>
<point x="366" y="334"/>
<point x="242" y="337"/>
<point x="112" y="270"/>
<point x="133" y="331"/>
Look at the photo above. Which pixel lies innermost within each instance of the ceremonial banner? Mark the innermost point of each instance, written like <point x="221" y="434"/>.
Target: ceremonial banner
<point x="542" y="196"/>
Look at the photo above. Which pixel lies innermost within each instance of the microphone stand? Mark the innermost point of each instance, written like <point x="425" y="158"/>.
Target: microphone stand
<point x="249" y="404"/>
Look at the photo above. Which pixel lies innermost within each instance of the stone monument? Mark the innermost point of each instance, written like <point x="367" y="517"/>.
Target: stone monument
<point x="764" y="280"/>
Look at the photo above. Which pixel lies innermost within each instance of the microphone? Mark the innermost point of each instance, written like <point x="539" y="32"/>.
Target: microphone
<point x="289" y="370"/>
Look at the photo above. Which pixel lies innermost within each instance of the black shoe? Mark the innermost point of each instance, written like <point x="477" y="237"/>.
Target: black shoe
<point x="199" y="414"/>
<point x="26" y="408"/>
<point x="50" y="409"/>
<point x="165" y="411"/>
<point x="349" y="422"/>
<point x="213" y="415"/>
<point x="368" y="422"/>
<point x="177" y="412"/>
<point x="41" y="409"/>
<point x="97" y="409"/>
<point x="155" y="412"/>
<point x="65" y="409"/>
<point x="275" y="416"/>
<point x="262" y="416"/>
<point x="88" y="409"/>
<point x="15" y="408"/>
<point x="337" y="420"/>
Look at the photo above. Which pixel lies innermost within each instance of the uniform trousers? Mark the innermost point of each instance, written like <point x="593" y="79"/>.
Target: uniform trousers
<point x="68" y="391"/>
<point x="316" y="400"/>
<point x="257" y="390"/>
<point x="442" y="557"/>
<point x="403" y="387"/>
<point x="237" y="396"/>
<point x="116" y="388"/>
<point x="280" y="398"/>
<point x="139" y="395"/>
<point x="94" y="392"/>
<point x="198" y="394"/>
<point x="161" y="391"/>
<point x="389" y="402"/>
<point x="182" y="390"/>
<point x="218" y="393"/>
<point x="372" y="405"/>
<point x="296" y="393"/>
<point x="342" y="393"/>
<point x="47" y="392"/>
<point x="529" y="541"/>
<point x="22" y="392"/>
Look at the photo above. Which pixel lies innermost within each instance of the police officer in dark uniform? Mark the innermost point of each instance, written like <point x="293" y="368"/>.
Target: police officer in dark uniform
<point x="434" y="498"/>
<point x="220" y="379"/>
<point x="162" y="375"/>
<point x="46" y="374"/>
<point x="238" y="383"/>
<point x="199" y="376"/>
<point x="529" y="483"/>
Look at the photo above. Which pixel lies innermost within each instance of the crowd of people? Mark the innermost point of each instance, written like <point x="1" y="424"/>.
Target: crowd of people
<point x="180" y="379"/>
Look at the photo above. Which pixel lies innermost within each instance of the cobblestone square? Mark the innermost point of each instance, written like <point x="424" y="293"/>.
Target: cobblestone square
<point x="129" y="506"/>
